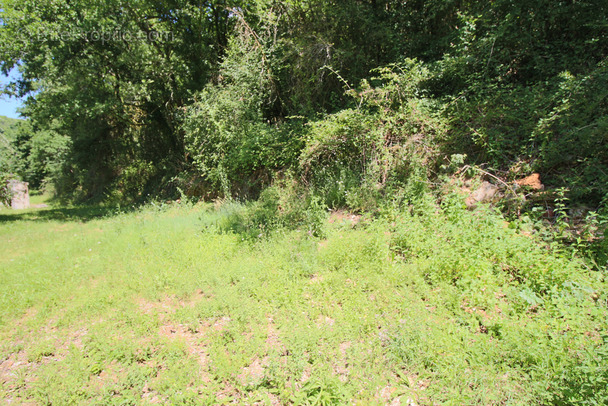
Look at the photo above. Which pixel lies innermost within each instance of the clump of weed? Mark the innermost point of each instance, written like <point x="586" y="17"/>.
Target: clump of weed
<point x="322" y="390"/>
<point x="45" y="348"/>
<point x="278" y="208"/>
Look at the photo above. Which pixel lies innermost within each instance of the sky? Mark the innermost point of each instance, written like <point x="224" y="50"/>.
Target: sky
<point x="9" y="106"/>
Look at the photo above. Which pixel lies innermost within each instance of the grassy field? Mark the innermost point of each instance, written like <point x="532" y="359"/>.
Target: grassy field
<point x="163" y="305"/>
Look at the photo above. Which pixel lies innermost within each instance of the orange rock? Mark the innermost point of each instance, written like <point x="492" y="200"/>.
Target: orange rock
<point x="532" y="181"/>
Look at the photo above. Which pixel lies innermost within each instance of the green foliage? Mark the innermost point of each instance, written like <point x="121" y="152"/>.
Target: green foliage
<point x="5" y="193"/>
<point x="243" y="93"/>
<point x="212" y="110"/>
<point x="82" y="62"/>
<point x="385" y="147"/>
<point x="586" y="383"/>
<point x="47" y="154"/>
<point x="9" y="130"/>
<point x="572" y="136"/>
<point x="8" y="126"/>
<point x="537" y="100"/>
<point x="279" y="208"/>
<point x="233" y="145"/>
<point x="597" y="224"/>
<point x="555" y="127"/>
<point x="338" y="152"/>
<point x="322" y="392"/>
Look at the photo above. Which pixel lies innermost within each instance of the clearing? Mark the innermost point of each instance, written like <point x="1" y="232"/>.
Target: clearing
<point x="157" y="306"/>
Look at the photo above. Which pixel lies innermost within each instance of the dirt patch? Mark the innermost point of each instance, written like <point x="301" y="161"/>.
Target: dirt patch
<point x="171" y="303"/>
<point x="343" y="347"/>
<point x="344" y="217"/>
<point x="15" y="376"/>
<point x="306" y="374"/>
<point x="387" y="395"/>
<point x="254" y="373"/>
<point x="74" y="338"/>
<point x="316" y="278"/>
<point x="195" y="345"/>
<point x="486" y="193"/>
<point x="28" y="316"/>
<point x="162" y="306"/>
<point x="150" y="396"/>
<point x="194" y="337"/>
<point x="324" y="321"/>
<point x="273" y="341"/>
<point x="10" y="369"/>
<point x="62" y="227"/>
<point x="391" y="395"/>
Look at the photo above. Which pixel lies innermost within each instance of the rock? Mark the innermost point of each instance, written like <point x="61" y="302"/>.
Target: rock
<point x="20" y="194"/>
<point x="485" y="193"/>
<point x="531" y="181"/>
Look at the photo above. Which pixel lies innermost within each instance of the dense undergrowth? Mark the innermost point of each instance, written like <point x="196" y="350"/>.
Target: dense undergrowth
<point x="202" y="304"/>
<point x="356" y="98"/>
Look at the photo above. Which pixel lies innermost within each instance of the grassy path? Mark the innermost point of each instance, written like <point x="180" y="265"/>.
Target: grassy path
<point x="152" y="307"/>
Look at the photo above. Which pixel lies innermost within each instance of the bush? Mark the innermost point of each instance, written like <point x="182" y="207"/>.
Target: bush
<point x="357" y="157"/>
<point x="227" y="136"/>
<point x="572" y="137"/>
<point x="557" y="128"/>
<point x="5" y="193"/>
<point x="281" y="207"/>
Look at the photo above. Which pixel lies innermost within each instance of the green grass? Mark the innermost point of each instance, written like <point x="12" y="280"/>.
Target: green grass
<point x="440" y="306"/>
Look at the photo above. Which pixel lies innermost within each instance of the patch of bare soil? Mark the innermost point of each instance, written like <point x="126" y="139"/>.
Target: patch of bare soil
<point x="391" y="395"/>
<point x="344" y="217"/>
<point x="10" y="371"/>
<point x="194" y="337"/>
<point x="195" y="344"/>
<point x="196" y="340"/>
<point x="316" y="278"/>
<point x="254" y="373"/>
<point x="171" y="303"/>
<point x="324" y="321"/>
<point x="17" y="369"/>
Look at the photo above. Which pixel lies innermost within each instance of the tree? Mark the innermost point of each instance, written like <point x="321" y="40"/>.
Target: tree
<point x="114" y="77"/>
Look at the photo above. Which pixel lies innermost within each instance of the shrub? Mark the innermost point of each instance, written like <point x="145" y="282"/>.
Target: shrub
<point x="227" y="136"/>
<point x="5" y="193"/>
<point x="278" y="207"/>
<point x="573" y="145"/>
<point x="556" y="127"/>
<point x="357" y="157"/>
